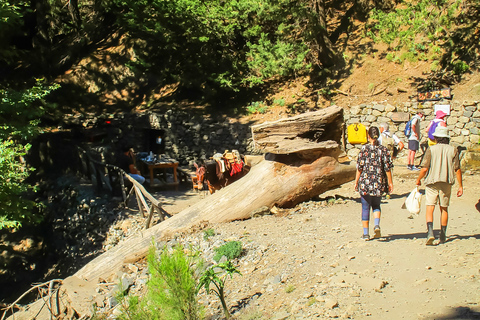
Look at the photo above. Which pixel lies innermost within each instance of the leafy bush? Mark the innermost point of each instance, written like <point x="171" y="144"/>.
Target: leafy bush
<point x="460" y="67"/>
<point x="18" y="122"/>
<point x="172" y="288"/>
<point x="231" y="250"/>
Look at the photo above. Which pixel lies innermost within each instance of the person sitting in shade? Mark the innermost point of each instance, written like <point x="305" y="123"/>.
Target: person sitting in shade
<point x="126" y="163"/>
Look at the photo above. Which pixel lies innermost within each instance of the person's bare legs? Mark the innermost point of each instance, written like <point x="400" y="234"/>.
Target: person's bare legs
<point x="429" y="217"/>
<point x="411" y="157"/>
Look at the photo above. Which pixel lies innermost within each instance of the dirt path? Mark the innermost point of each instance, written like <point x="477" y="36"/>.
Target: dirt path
<point x="312" y="263"/>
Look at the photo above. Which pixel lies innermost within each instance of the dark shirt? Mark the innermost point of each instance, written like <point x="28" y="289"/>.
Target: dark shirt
<point x="124" y="162"/>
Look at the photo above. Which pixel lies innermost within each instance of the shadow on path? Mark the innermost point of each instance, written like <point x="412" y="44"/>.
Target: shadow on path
<point x="421" y="235"/>
<point x="458" y="313"/>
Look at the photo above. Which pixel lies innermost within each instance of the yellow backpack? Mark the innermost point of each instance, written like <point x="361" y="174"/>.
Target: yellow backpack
<point x="357" y="133"/>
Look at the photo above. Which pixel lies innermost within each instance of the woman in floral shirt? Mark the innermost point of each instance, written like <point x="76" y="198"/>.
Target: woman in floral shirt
<point x="374" y="177"/>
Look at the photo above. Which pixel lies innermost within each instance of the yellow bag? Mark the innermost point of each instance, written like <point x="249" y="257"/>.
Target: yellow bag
<point x="357" y="133"/>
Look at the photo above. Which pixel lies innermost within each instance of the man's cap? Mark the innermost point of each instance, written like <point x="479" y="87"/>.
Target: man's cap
<point x="440" y="114"/>
<point x="441" y="132"/>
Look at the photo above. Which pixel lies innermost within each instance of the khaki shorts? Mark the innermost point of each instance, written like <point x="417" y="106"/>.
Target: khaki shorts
<point x="440" y="191"/>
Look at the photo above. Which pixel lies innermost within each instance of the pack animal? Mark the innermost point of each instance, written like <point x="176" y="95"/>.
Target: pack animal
<point x="220" y="171"/>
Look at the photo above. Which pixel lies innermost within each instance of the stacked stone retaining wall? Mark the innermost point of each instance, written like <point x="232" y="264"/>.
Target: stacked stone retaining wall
<point x="463" y="122"/>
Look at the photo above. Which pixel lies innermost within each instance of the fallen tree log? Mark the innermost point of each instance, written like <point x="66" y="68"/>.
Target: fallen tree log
<point x="307" y="134"/>
<point x="282" y="180"/>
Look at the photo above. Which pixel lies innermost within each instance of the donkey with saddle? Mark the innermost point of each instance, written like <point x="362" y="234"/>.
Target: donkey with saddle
<point x="220" y="171"/>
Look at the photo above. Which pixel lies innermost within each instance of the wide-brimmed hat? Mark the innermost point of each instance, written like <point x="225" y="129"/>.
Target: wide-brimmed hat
<point x="441" y="132"/>
<point x="440" y="114"/>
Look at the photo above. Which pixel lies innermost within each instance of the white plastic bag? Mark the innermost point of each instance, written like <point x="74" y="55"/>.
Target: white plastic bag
<point x="413" y="201"/>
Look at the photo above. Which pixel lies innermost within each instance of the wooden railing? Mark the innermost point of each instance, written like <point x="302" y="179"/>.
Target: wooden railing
<point x="104" y="177"/>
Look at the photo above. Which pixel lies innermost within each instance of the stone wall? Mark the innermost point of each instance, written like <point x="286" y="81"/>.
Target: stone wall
<point x="463" y="121"/>
<point x="187" y="137"/>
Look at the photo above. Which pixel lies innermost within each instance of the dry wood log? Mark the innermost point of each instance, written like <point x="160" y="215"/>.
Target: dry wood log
<point x="305" y="133"/>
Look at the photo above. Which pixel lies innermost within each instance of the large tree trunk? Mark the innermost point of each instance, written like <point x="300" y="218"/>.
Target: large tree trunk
<point x="282" y="180"/>
<point x="326" y="53"/>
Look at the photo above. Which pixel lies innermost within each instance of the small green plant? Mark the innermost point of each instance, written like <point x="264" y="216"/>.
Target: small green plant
<point x="231" y="250"/>
<point x="256" y="107"/>
<point x="208" y="233"/>
<point x="460" y="67"/>
<point x="280" y="102"/>
<point x="210" y="276"/>
<point x="311" y="301"/>
<point x="172" y="288"/>
<point x="390" y="56"/>
<point x="290" y="288"/>
<point x="371" y="86"/>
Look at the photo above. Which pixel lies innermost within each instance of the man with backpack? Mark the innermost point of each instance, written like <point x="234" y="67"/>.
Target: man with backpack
<point x="438" y="121"/>
<point x="414" y="140"/>
<point x="390" y="140"/>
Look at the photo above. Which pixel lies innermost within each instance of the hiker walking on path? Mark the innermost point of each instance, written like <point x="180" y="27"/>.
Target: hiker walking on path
<point x="390" y="140"/>
<point x="440" y="166"/>
<point x="374" y="165"/>
<point x="414" y="140"/>
<point x="438" y="121"/>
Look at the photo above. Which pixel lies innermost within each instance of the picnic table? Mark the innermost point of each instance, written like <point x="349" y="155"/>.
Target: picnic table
<point x="161" y="162"/>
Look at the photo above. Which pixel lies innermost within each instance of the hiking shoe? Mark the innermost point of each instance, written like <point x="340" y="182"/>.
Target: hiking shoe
<point x="409" y="167"/>
<point x="430" y="238"/>
<point x="415" y="168"/>
<point x="443" y="236"/>
<point x="377" y="234"/>
<point x="366" y="237"/>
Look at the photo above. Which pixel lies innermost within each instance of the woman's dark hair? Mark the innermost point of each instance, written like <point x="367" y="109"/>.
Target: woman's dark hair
<point x="373" y="132"/>
<point x="442" y="140"/>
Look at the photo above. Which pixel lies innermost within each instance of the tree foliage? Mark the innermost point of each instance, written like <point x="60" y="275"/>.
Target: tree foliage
<point x="19" y="115"/>
<point x="423" y="31"/>
<point x="227" y="43"/>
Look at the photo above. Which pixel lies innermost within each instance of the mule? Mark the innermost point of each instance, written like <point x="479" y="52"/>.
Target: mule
<point x="220" y="171"/>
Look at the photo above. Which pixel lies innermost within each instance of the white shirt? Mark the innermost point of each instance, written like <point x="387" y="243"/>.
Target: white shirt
<point x="388" y="134"/>
<point x="415" y="122"/>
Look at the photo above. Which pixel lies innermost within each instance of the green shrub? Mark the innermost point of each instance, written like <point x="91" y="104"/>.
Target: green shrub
<point x="256" y="107"/>
<point x="172" y="288"/>
<point x="460" y="67"/>
<point x="231" y="250"/>
<point x="280" y="102"/>
<point x="208" y="233"/>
